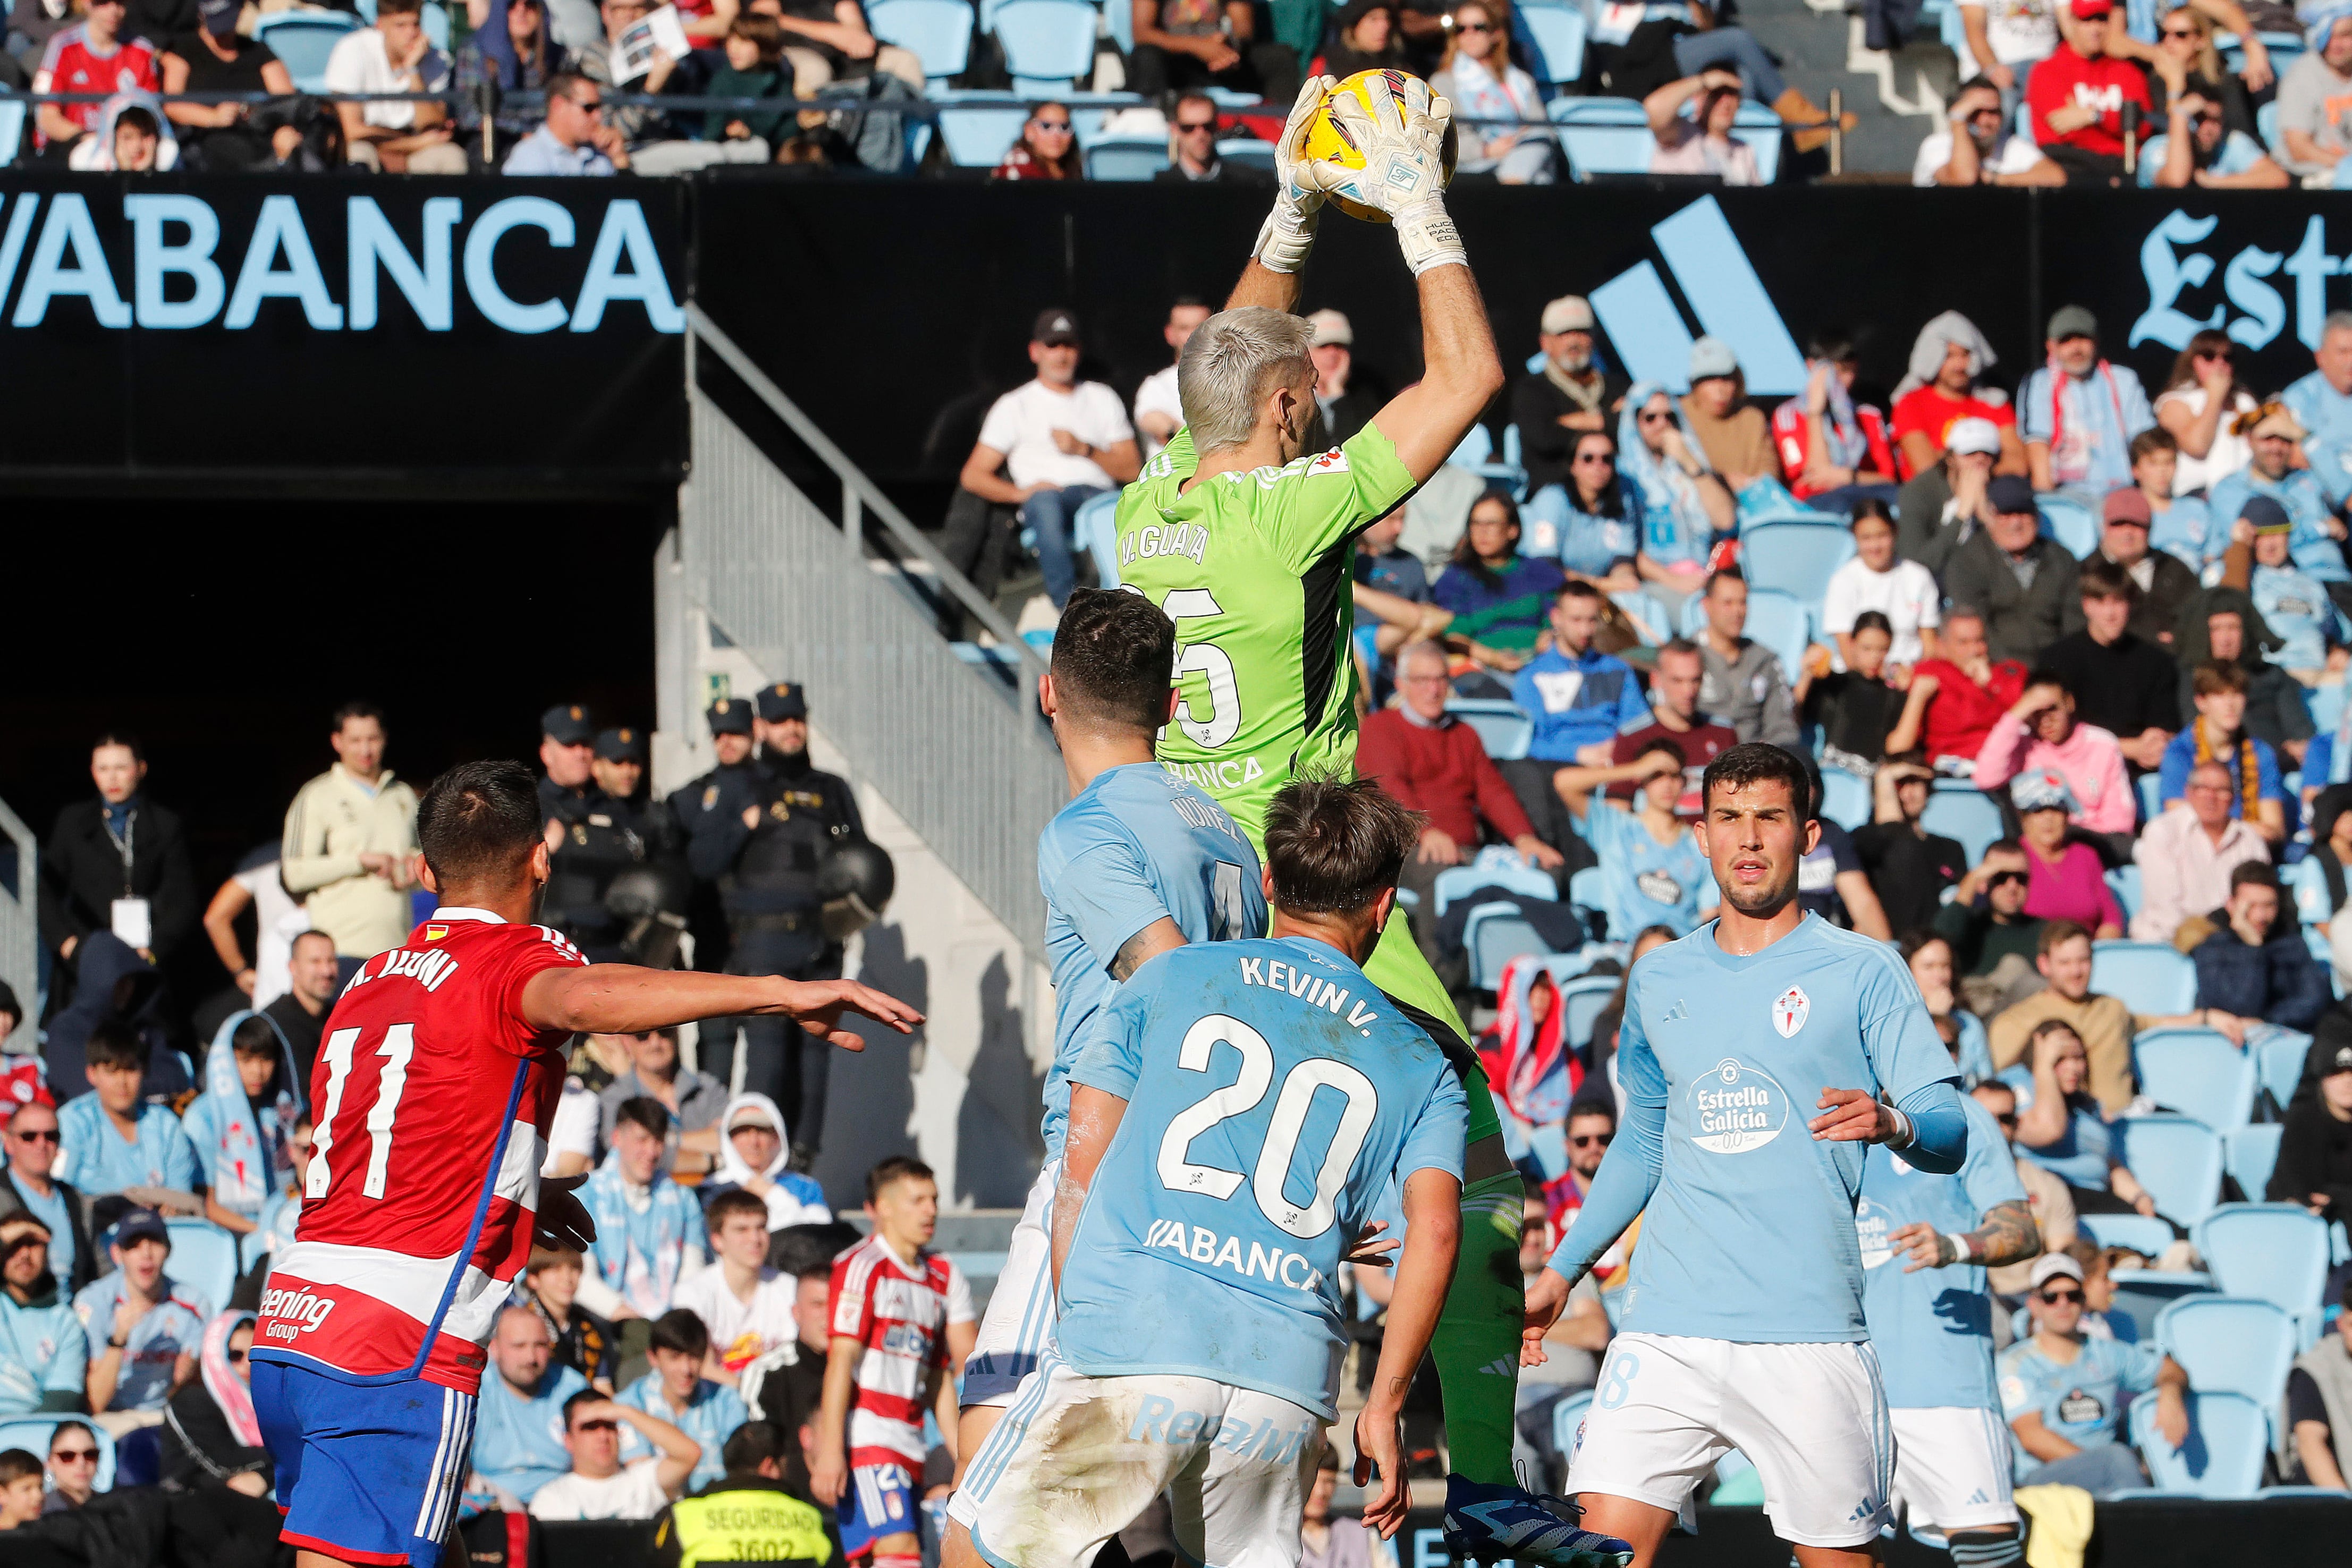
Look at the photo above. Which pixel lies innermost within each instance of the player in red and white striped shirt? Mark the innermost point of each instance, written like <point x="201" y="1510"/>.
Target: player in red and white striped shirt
<point x="901" y="1317"/>
<point x="436" y="1080"/>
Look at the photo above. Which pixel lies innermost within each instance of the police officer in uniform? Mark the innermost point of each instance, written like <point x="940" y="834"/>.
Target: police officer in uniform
<point x="591" y="836"/>
<point x="763" y="855"/>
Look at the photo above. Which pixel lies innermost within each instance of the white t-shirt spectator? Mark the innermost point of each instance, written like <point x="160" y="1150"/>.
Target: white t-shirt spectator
<point x="1157" y="395"/>
<point x="634" y="1491"/>
<point x="2019" y="31"/>
<point x="277" y="919"/>
<point x="1684" y="149"/>
<point x="2011" y="155"/>
<point x="741" y="1334"/>
<point x="2229" y="451"/>
<point x="1022" y="423"/>
<point x="1905" y="595"/>
<point x="574" y="1129"/>
<point x="360" y="65"/>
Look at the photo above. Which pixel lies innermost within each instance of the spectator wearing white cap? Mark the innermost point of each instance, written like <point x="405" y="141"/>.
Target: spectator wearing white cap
<point x="1945" y="502"/>
<point x="1734" y="436"/>
<point x="1159" y="413"/>
<point x="1051" y="445"/>
<point x="2063" y="1391"/>
<point x="1344" y="410"/>
<point x="1981" y="148"/>
<point x="1566" y="395"/>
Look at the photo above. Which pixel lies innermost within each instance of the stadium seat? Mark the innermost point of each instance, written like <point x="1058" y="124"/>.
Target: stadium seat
<point x="1795" y="558"/>
<point x="1476" y="452"/>
<point x="1970" y="816"/>
<point x="1096" y="532"/>
<point x="2228" y="1436"/>
<point x="1649" y="613"/>
<point x="2142" y="1234"/>
<point x="978" y="127"/>
<point x="938" y="32"/>
<point x="2069" y="522"/>
<point x="2147" y="976"/>
<point x="1845" y="799"/>
<point x="2197" y="1072"/>
<point x="1048" y="44"/>
<point x="304" y="40"/>
<point x="1501" y="727"/>
<point x="2249" y="1154"/>
<point x="203" y="1259"/>
<point x="1603" y="135"/>
<point x="249" y="1251"/>
<point x="1582" y="999"/>
<point x="2307" y="884"/>
<point x="1558" y="35"/>
<point x="12" y="128"/>
<point x="1587" y="888"/>
<point x="1247" y="152"/>
<point x="2280" y="1062"/>
<point x="33" y="1434"/>
<point x="1781" y="623"/>
<point x="2179" y="1160"/>
<point x="2149" y="789"/>
<point x="1568" y="1416"/>
<point x="2229" y="1344"/>
<point x="2124" y="883"/>
<point x="1495" y="935"/>
<point x="2275" y="1252"/>
<point x="1456" y="882"/>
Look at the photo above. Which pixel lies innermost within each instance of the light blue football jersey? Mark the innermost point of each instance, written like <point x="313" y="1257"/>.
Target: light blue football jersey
<point x="1272" y="1091"/>
<point x="1750" y="1236"/>
<point x="1933" y="1328"/>
<point x="1137" y="843"/>
<point x="2081" y="1400"/>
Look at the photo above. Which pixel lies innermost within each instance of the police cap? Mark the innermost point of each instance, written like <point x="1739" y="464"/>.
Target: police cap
<point x="626" y="744"/>
<point x="568" y="724"/>
<point x="783" y="701"/>
<point x="730" y="716"/>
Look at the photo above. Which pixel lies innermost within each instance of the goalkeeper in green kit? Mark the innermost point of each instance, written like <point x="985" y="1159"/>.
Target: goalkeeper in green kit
<point x="1246" y="541"/>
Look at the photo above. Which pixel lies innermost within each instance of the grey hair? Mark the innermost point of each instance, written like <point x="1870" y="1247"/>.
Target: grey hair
<point x="2336" y="321"/>
<point x="1231" y="364"/>
<point x="1419" y="648"/>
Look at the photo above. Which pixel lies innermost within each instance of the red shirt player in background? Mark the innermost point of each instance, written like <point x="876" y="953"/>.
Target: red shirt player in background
<point x="435" y="1082"/>
<point x="901" y="1317"/>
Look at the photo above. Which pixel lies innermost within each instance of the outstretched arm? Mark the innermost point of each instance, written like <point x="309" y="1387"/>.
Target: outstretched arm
<point x="623" y="999"/>
<point x="1428" y="420"/>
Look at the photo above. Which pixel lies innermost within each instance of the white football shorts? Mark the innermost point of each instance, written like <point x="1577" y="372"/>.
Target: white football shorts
<point x="1952" y="1469"/>
<point x="1017" y="1330"/>
<point x="1811" y="1417"/>
<point x="1076" y="1459"/>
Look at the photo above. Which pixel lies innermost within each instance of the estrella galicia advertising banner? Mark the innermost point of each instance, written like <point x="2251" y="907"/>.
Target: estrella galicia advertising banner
<point x="405" y="328"/>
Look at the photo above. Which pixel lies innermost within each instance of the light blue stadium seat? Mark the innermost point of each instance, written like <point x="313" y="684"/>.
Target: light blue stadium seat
<point x="1247" y="152"/>
<point x="12" y="128"/>
<point x="1495" y="935"/>
<point x="34" y="1433"/>
<point x="1781" y="623"/>
<point x="2275" y="1252"/>
<point x="1649" y="613"/>
<point x="2124" y="883"/>
<point x="1588" y="889"/>
<point x="1505" y="871"/>
<point x="1968" y="816"/>
<point x="1501" y="727"/>
<point x="2280" y="1062"/>
<point x="2147" y="976"/>
<point x="1795" y="558"/>
<point x="2179" y="1160"/>
<point x="979" y="127"/>
<point x="2198" y="1073"/>
<point x="1476" y="454"/>
<point x="1128" y="158"/>
<point x="2150" y="788"/>
<point x="1048" y="44"/>
<point x="250" y="1247"/>
<point x="304" y="40"/>
<point x="2307" y="886"/>
<point x="1568" y="1416"/>
<point x="1603" y="135"/>
<point x="2249" y="1155"/>
<point x="2229" y="1344"/>
<point x="2142" y="1234"/>
<point x="1558" y="35"/>
<point x="2228" y="1436"/>
<point x="1582" y="999"/>
<point x="938" y="32"/>
<point x="203" y="1259"/>
<point x="435" y="20"/>
<point x="1845" y="799"/>
<point x="1096" y="532"/>
<point x="2070" y="522"/>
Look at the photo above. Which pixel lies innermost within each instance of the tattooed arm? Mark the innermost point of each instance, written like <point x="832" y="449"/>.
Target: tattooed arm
<point x="1145" y="945"/>
<point x="2008" y="1235"/>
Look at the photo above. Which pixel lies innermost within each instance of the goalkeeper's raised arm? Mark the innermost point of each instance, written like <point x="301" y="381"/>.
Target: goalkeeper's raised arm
<point x="1403" y="174"/>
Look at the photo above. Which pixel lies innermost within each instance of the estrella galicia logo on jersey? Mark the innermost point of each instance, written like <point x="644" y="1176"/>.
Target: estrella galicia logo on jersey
<point x="1791" y="1009"/>
<point x="2078" y="1406"/>
<point x="1736" y="1108"/>
<point x="1659" y="887"/>
<point x="1872" y="1227"/>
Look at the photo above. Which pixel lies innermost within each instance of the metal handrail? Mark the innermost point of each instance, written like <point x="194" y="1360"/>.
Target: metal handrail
<point x="862" y="491"/>
<point x="20" y="955"/>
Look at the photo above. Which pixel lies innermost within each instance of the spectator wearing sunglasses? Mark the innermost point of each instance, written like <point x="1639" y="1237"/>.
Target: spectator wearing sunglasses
<point x="44" y="1355"/>
<point x="1591" y="1127"/>
<point x="574" y="138"/>
<point x="2202" y="396"/>
<point x="1993" y="940"/>
<point x="73" y="1467"/>
<point x="694" y="1100"/>
<point x="26" y="1186"/>
<point x="212" y="1438"/>
<point x="2063" y="1392"/>
<point x="2187" y="855"/>
<point x="1981" y="148"/>
<point x="1193" y="149"/>
<point x="1047" y="148"/>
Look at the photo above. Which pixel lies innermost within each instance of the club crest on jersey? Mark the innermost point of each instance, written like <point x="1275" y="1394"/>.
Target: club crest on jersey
<point x="434" y="933"/>
<point x="1735" y="1108"/>
<point x="1791" y="1009"/>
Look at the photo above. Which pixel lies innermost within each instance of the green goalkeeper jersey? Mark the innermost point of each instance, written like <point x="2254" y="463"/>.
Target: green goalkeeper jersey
<point x="1257" y="571"/>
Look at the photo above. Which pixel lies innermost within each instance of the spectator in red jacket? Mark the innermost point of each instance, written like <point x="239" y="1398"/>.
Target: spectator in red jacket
<point x="1954" y="701"/>
<point x="2078" y="96"/>
<point x="1834" y="449"/>
<point x="1434" y="763"/>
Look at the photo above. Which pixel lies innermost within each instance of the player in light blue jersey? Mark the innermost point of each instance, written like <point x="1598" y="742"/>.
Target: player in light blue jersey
<point x="1742" y="1326"/>
<point x="1136" y="863"/>
<point x="1927" y="1241"/>
<point x="1233" y="1124"/>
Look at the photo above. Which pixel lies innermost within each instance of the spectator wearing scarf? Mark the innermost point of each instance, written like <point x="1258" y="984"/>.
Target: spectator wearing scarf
<point x="2219" y="734"/>
<point x="1684" y="504"/>
<point x="1528" y="1056"/>
<point x="650" y="1229"/>
<point x="2080" y="412"/>
<point x="214" y="1431"/>
<point x="243" y="1124"/>
<point x="2222" y="623"/>
<point x="1855" y="462"/>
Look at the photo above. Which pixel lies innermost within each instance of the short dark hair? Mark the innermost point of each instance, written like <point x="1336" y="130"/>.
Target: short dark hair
<point x="478" y="820"/>
<point x="123" y="738"/>
<point x="564" y="84"/>
<point x="360" y="708"/>
<point x="586" y="1396"/>
<point x="1590" y="1107"/>
<point x="2002" y="846"/>
<point x="1114" y="659"/>
<point x="897" y="1167"/>
<point x="1873" y="621"/>
<point x="256" y="1036"/>
<point x="735" y="1200"/>
<point x="2154" y="438"/>
<point x="2043" y="676"/>
<point x="1756" y="762"/>
<point x="1912" y="943"/>
<point x="138" y="114"/>
<point x="114" y="1043"/>
<point x="296" y="940"/>
<point x="1870" y="508"/>
<point x="681" y="1331"/>
<point x="1333" y="844"/>
<point x="10" y="1006"/>
<point x="62" y="1427"/>
<point x="2215" y="676"/>
<point x="645" y="1112"/>
<point x="1679" y="645"/>
<point x="2057" y="934"/>
<point x="399" y="5"/>
<point x="2103" y="579"/>
<point x="752" y="1444"/>
<point x="1665" y="744"/>
<point x="2259" y="874"/>
<point x="16" y="1465"/>
<point x="1723" y="574"/>
<point x="1577" y="589"/>
<point x="1834" y="344"/>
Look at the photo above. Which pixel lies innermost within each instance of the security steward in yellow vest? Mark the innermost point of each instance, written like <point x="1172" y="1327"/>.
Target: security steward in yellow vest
<point x="748" y="1515"/>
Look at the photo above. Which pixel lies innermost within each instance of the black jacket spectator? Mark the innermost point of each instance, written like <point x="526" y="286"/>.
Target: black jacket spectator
<point x="113" y="983"/>
<point x="82" y="873"/>
<point x="2126" y="687"/>
<point x="2278" y="981"/>
<point x="1908" y="871"/>
<point x="1545" y="444"/>
<point x="2020" y="619"/>
<point x="1979" y="942"/>
<point x="2276" y="711"/>
<point x="2170" y="586"/>
<point x="2315" y="1160"/>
